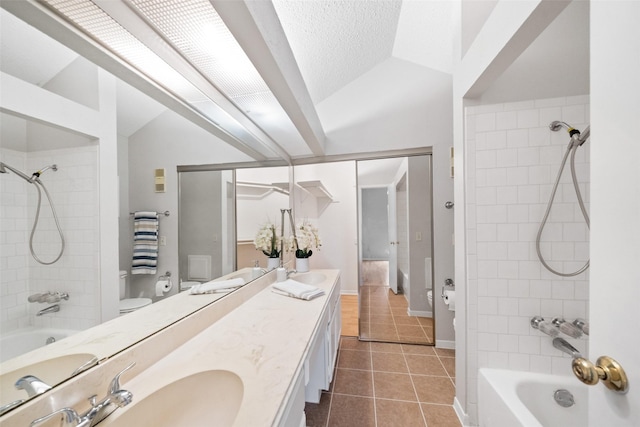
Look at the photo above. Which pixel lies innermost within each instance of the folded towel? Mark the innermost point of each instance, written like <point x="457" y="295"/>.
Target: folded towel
<point x="145" y="226"/>
<point x="145" y="243"/>
<point x="294" y="289"/>
<point x="216" y="286"/>
<point x="145" y="258"/>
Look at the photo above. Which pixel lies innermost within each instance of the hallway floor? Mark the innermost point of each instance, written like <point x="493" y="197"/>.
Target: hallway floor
<point x="387" y="384"/>
<point x="383" y="315"/>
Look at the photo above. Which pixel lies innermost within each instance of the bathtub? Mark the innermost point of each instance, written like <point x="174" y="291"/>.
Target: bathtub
<point x="526" y="399"/>
<point x="23" y="340"/>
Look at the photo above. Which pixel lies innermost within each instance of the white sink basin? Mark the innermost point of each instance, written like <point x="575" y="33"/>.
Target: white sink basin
<point x="51" y="371"/>
<point x="311" y="278"/>
<point x="205" y="398"/>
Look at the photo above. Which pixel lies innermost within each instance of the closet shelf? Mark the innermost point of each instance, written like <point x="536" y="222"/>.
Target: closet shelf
<point x="316" y="189"/>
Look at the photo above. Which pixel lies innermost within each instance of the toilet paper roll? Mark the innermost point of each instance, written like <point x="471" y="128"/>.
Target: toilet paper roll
<point x="450" y="300"/>
<point x="162" y="287"/>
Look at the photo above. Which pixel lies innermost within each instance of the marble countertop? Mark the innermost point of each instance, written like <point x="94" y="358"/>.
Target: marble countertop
<point x="264" y="341"/>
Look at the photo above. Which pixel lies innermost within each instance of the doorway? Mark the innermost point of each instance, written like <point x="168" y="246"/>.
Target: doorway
<point x="395" y="233"/>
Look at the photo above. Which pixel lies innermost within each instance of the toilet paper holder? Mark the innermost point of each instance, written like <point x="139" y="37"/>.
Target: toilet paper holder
<point x="166" y="276"/>
<point x="447" y="283"/>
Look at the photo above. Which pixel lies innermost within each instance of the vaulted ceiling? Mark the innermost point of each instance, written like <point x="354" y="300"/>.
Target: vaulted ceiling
<point x="307" y="52"/>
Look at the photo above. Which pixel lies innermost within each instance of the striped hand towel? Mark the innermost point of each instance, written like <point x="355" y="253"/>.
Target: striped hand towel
<point x="145" y="243"/>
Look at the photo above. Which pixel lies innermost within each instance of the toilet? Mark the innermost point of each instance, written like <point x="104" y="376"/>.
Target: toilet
<point x="127" y="305"/>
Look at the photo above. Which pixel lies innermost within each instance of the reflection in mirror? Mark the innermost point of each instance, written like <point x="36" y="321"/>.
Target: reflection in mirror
<point x="260" y="193"/>
<point x="206" y="231"/>
<point x="395" y="218"/>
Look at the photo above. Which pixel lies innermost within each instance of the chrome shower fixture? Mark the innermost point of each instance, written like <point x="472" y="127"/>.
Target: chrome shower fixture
<point x="37" y="174"/>
<point x="34" y="176"/>
<point x="576" y="140"/>
<point x="35" y="180"/>
<point x="577" y="137"/>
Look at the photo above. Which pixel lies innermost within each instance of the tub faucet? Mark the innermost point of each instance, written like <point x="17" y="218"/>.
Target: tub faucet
<point x="562" y="345"/>
<point x="32" y="385"/>
<point x="115" y="398"/>
<point x="51" y="309"/>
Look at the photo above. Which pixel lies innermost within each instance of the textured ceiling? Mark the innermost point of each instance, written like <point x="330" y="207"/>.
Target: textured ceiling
<point x="337" y="41"/>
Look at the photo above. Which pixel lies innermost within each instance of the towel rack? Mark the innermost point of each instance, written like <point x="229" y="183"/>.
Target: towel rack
<point x="165" y="213"/>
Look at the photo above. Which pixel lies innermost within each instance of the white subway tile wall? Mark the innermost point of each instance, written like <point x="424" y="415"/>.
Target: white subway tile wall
<point x="74" y="190"/>
<point x="512" y="160"/>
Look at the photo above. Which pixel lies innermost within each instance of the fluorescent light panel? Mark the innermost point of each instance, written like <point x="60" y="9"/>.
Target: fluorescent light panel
<point x="195" y="30"/>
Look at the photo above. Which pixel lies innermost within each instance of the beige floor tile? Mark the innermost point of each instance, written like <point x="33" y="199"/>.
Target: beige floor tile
<point x="351" y="411"/>
<point x="385" y="347"/>
<point x="353" y="343"/>
<point x="434" y="389"/>
<point x="418" y="349"/>
<point x="424" y="365"/>
<point x="389" y="362"/>
<point x="354" y="359"/>
<point x="317" y="414"/>
<point x="353" y="382"/>
<point x="393" y="386"/>
<point x="440" y="415"/>
<point x="393" y="413"/>
<point x="446" y="352"/>
<point x="449" y="364"/>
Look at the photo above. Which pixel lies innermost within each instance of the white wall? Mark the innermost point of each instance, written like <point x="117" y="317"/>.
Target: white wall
<point x="337" y="223"/>
<point x="166" y="142"/>
<point x="615" y="191"/>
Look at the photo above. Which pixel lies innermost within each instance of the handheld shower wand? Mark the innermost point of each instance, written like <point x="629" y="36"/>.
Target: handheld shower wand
<point x="35" y="180"/>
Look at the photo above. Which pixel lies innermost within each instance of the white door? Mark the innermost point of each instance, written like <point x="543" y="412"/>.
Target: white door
<point x="393" y="238"/>
<point x="614" y="291"/>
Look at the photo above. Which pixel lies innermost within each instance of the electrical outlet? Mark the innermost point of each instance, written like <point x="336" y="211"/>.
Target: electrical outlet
<point x="418" y="236"/>
<point x="163" y="240"/>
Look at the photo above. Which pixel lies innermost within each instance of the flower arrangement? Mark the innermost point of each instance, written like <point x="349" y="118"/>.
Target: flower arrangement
<point x="268" y="241"/>
<point x="306" y="238"/>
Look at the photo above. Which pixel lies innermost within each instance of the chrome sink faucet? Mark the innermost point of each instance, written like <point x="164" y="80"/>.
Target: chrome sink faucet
<point x="115" y="398"/>
<point x="32" y="385"/>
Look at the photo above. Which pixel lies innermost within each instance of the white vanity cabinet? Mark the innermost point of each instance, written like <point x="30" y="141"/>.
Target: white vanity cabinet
<point x="321" y="360"/>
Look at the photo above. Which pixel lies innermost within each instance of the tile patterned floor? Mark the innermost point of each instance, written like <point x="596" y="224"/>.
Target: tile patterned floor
<point x="383" y="314"/>
<point x="387" y="384"/>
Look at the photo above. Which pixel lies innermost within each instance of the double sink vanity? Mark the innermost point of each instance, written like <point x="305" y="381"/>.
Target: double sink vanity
<point x="251" y="358"/>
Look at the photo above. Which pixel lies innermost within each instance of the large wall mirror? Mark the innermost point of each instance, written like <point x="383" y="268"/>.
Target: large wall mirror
<point x="396" y="245"/>
<point x="206" y="230"/>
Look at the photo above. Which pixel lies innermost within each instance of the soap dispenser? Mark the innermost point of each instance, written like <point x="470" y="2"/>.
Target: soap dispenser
<point x="256" y="271"/>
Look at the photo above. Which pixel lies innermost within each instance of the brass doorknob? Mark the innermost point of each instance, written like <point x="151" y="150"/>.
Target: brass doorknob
<point x="606" y="369"/>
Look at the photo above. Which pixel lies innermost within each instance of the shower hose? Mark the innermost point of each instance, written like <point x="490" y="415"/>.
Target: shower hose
<point x="571" y="149"/>
<point x="39" y="184"/>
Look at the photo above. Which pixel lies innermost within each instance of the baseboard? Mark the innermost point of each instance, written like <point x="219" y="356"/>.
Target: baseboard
<point x="349" y="293"/>
<point x="462" y="416"/>
<point x="421" y="313"/>
<point x="445" y="344"/>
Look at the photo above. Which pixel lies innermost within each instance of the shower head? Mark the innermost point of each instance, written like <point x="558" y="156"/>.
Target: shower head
<point x="2" y="169"/>
<point x="557" y="125"/>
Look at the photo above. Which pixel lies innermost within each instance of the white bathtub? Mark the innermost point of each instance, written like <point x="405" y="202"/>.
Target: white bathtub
<point x="23" y="340"/>
<point x="526" y="399"/>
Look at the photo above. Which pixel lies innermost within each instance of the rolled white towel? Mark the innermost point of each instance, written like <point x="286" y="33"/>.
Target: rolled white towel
<point x="294" y="289"/>
<point x="216" y="286"/>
